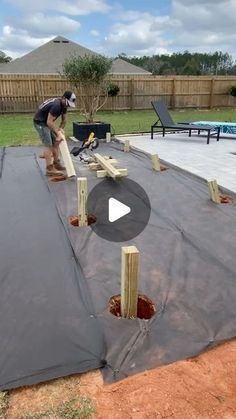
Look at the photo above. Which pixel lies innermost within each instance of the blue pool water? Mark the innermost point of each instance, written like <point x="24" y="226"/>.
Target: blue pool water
<point x="225" y="127"/>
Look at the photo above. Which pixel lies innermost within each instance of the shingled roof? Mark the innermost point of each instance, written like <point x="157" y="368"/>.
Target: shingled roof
<point x="48" y="59"/>
<point x="120" y="66"/>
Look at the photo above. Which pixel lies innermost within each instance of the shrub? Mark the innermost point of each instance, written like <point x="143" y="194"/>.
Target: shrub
<point x="89" y="75"/>
<point x="232" y="90"/>
<point x="113" y="89"/>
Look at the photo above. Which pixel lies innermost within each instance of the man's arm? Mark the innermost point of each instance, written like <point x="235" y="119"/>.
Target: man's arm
<point x="63" y="120"/>
<point x="50" y="123"/>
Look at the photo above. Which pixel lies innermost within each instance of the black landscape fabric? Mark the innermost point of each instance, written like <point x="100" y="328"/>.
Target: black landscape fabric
<point x="56" y="280"/>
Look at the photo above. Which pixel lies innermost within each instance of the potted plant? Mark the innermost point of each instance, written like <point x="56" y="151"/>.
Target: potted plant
<point x="89" y="74"/>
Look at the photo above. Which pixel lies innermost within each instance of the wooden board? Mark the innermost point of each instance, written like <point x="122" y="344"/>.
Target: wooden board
<point x="106" y="165"/>
<point x="129" y="281"/>
<point x="214" y="191"/>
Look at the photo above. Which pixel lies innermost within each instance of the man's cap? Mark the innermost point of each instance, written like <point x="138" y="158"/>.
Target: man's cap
<point x="70" y="97"/>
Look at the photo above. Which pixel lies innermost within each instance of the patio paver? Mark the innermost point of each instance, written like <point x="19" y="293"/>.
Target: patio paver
<point x="209" y="161"/>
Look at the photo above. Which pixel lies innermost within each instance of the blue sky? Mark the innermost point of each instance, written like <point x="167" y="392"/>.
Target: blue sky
<point x="132" y="27"/>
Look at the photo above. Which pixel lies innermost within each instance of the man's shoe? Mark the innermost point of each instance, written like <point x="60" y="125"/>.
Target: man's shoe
<point x="52" y="171"/>
<point x="57" y="164"/>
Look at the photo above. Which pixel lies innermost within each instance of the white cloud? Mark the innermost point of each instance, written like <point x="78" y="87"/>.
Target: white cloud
<point x="93" y="32"/>
<point x="144" y="35"/>
<point x="31" y="31"/>
<point x="204" y="26"/>
<point x="194" y="25"/>
<point x="40" y="24"/>
<point x="69" y="7"/>
<point x="16" y="42"/>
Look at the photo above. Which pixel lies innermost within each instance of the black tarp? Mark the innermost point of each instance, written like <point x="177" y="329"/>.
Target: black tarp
<point x="56" y="280"/>
<point x="48" y="326"/>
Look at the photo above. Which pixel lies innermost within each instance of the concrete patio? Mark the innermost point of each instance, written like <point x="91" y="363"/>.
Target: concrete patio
<point x="193" y="154"/>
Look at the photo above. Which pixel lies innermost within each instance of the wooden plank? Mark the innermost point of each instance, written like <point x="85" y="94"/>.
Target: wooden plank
<point x="126" y="146"/>
<point x="97" y="166"/>
<point x="211" y="99"/>
<point x="214" y="191"/>
<point x="82" y="190"/>
<point x="72" y="138"/>
<point x="131" y="93"/>
<point x="112" y="171"/>
<point x="156" y="162"/>
<point x="108" y="137"/>
<point x="103" y="173"/>
<point x="70" y="170"/>
<point x="129" y="281"/>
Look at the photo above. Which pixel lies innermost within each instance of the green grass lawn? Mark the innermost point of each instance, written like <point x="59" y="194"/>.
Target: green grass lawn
<point x="18" y="129"/>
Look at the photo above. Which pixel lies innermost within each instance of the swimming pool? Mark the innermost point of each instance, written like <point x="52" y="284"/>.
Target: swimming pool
<point x="225" y="127"/>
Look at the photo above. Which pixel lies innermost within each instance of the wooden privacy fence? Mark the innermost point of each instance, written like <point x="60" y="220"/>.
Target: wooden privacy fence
<point x="22" y="93"/>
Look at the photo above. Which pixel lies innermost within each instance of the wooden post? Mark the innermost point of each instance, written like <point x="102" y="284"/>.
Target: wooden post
<point x="214" y="191"/>
<point x="82" y="189"/>
<point x="126" y="146"/>
<point x="70" y="170"/>
<point x="129" y="281"/>
<point x="156" y="162"/>
<point x="131" y="83"/>
<point x="108" y="137"/>
<point x="211" y="104"/>
<point x="173" y="93"/>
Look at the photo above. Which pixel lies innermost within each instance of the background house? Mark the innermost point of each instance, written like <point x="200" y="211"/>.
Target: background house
<point x="48" y="59"/>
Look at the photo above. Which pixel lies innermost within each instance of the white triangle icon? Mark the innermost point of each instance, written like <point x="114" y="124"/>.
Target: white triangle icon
<point x="116" y="210"/>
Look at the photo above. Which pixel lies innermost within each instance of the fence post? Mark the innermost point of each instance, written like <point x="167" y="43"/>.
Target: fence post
<point x="131" y="89"/>
<point x="173" y="93"/>
<point x="211" y="104"/>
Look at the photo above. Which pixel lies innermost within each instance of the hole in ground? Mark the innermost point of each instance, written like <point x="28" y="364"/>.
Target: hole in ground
<point x="163" y="168"/>
<point x="146" y="308"/>
<point x="74" y="221"/>
<point x="226" y="199"/>
<point x="57" y="178"/>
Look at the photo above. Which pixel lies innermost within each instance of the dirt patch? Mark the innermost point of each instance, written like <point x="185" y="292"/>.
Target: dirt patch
<point x="74" y="220"/>
<point x="202" y="387"/>
<point x="146" y="308"/>
<point x="163" y="168"/>
<point x="57" y="178"/>
<point x="226" y="199"/>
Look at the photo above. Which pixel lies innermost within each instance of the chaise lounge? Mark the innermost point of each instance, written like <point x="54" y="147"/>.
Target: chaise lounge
<point x="165" y="121"/>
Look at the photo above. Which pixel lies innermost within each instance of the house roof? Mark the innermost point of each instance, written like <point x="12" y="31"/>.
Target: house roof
<point x="48" y="59"/>
<point x="120" y="66"/>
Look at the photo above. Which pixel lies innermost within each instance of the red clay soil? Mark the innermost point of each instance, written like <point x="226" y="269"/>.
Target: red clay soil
<point x="226" y="199"/>
<point x="201" y="387"/>
<point x="145" y="307"/>
<point x="74" y="220"/>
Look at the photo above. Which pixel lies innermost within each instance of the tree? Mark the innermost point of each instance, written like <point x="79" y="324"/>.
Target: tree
<point x="4" y="58"/>
<point x="186" y="63"/>
<point x="89" y="75"/>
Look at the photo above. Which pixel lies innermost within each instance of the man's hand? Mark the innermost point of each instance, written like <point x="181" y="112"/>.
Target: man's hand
<point x="60" y="135"/>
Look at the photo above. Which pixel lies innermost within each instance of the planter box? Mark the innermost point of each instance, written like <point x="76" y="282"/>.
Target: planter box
<point x="81" y="130"/>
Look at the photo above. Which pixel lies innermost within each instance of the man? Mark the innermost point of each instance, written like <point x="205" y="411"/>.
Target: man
<point x="44" y="122"/>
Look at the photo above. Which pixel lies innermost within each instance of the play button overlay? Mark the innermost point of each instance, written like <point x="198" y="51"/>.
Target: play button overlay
<point x="117" y="210"/>
<point x="122" y="209"/>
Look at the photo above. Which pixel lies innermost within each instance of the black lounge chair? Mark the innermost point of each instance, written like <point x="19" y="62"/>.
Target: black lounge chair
<point x="165" y="121"/>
